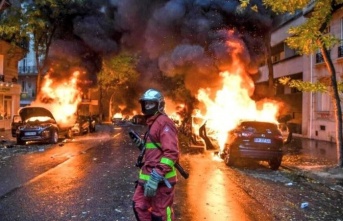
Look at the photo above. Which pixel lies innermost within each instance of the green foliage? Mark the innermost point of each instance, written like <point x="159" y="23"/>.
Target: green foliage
<point x="303" y="85"/>
<point x="12" y="28"/>
<point x="39" y="18"/>
<point x="307" y="37"/>
<point x="118" y="70"/>
<point x="286" y="6"/>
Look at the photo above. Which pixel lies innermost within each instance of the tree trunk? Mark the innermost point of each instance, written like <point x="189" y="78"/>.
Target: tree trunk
<point x="271" y="92"/>
<point x="333" y="90"/>
<point x="100" y="103"/>
<point x="39" y="75"/>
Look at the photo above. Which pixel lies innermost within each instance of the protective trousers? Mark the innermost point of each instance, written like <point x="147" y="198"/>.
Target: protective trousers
<point x="157" y="208"/>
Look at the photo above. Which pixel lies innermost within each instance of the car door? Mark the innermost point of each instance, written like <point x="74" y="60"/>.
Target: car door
<point x="16" y="122"/>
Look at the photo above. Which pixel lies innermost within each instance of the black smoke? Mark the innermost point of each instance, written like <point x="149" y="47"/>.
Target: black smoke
<point x="176" y="37"/>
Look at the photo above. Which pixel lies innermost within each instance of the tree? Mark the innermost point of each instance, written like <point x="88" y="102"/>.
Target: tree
<point x="40" y="21"/>
<point x="311" y="36"/>
<point x="117" y="79"/>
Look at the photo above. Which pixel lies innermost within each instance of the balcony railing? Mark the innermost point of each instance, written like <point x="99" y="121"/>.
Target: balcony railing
<point x="27" y="70"/>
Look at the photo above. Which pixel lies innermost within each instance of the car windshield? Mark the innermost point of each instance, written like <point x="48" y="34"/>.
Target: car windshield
<point x="258" y="126"/>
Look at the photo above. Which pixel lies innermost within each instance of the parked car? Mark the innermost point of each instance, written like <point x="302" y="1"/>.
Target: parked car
<point x="118" y="121"/>
<point x="37" y="124"/>
<point x="92" y="123"/>
<point x="82" y="125"/>
<point x="254" y="140"/>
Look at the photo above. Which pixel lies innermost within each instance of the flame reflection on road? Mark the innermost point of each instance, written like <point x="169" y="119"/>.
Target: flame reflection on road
<point x="212" y="195"/>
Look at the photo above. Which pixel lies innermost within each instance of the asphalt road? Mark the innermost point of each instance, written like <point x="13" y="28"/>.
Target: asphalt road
<point x="92" y="178"/>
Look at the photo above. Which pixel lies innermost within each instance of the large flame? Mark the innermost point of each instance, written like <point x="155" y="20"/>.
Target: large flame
<point x="61" y="98"/>
<point x="232" y="103"/>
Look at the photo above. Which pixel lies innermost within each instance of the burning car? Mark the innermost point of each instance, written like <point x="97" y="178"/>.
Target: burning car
<point x="83" y="125"/>
<point x="38" y="124"/>
<point x="255" y="140"/>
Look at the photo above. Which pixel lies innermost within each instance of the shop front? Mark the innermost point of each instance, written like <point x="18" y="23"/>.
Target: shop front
<point x="9" y="103"/>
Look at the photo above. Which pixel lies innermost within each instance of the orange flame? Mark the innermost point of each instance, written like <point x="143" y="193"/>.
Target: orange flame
<point x="61" y="98"/>
<point x="232" y="103"/>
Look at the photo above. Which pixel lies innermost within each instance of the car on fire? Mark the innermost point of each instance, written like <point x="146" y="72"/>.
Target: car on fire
<point x="37" y="124"/>
<point x="83" y="125"/>
<point x="255" y="140"/>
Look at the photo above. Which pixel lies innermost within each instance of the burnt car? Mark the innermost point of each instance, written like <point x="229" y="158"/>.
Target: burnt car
<point x="37" y="124"/>
<point x="92" y="123"/>
<point x="254" y="140"/>
<point x="82" y="125"/>
<point x="118" y="121"/>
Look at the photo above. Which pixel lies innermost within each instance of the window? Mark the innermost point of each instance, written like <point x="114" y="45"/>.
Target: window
<point x="7" y="107"/>
<point x="340" y="46"/>
<point x="319" y="58"/>
<point x="323" y="102"/>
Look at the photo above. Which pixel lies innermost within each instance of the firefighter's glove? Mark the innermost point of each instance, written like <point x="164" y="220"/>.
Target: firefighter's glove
<point x="151" y="185"/>
<point x="137" y="141"/>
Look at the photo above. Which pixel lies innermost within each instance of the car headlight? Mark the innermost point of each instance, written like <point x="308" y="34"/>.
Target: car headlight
<point x="45" y="133"/>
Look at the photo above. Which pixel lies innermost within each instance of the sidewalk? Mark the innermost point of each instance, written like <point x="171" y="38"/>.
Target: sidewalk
<point x="6" y="137"/>
<point x="314" y="159"/>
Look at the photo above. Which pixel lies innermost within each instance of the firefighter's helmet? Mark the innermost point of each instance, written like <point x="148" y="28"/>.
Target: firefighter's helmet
<point x="152" y="101"/>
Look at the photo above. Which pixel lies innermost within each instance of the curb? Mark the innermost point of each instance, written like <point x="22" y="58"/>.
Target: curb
<point x="331" y="178"/>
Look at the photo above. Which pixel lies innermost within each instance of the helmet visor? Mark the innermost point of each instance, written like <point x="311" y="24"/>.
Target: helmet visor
<point x="148" y="105"/>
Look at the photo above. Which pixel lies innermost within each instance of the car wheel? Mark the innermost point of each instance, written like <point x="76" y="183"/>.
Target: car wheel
<point x="54" y="137"/>
<point x="275" y="163"/>
<point x="229" y="159"/>
<point x="20" y="141"/>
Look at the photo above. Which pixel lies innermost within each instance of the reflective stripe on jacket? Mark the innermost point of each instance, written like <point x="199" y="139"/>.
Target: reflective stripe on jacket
<point x="162" y="149"/>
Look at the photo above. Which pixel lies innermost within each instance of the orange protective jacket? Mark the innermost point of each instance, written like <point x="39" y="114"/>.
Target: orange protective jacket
<point x="162" y="132"/>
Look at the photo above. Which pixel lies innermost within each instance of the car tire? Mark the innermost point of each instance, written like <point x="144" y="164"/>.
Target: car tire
<point x="229" y="159"/>
<point x="20" y="141"/>
<point x="54" y="137"/>
<point x="275" y="163"/>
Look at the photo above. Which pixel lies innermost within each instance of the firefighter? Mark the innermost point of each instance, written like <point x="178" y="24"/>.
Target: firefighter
<point x="154" y="194"/>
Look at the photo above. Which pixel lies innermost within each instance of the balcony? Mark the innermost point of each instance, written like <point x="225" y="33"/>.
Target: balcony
<point x="27" y="70"/>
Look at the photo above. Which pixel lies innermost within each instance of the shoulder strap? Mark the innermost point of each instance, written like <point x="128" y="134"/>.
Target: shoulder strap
<point x="148" y="134"/>
<point x="153" y="141"/>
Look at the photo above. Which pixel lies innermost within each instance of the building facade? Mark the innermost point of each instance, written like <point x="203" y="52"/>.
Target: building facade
<point x="9" y="87"/>
<point x="312" y="113"/>
<point x="27" y="77"/>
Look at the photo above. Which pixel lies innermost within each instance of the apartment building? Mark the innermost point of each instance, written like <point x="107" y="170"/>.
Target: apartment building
<point x="9" y="87"/>
<point x="27" y="76"/>
<point x="312" y="113"/>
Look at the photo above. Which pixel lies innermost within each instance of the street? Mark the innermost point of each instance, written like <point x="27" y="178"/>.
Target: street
<point x="92" y="178"/>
